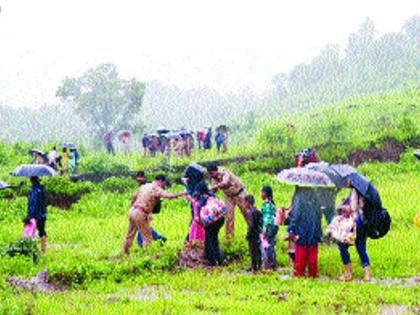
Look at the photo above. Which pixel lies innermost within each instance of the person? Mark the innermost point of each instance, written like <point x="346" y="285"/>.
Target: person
<point x="219" y="141"/>
<point x="153" y="145"/>
<point x="107" y="139"/>
<point x="189" y="144"/>
<point x="207" y="139"/>
<point x="76" y="157"/>
<point x="52" y="157"/>
<point x="225" y="141"/>
<point x="211" y="240"/>
<point x="37" y="209"/>
<point x="72" y="162"/>
<point x="141" y="180"/>
<point x="197" y="231"/>
<point x="39" y="159"/>
<point x="356" y="204"/>
<point x="140" y="214"/>
<point x="343" y="226"/>
<point x="145" y="141"/>
<point x="64" y="162"/>
<point x="269" y="229"/>
<point x="305" y="229"/>
<point x="200" y="138"/>
<point x="234" y="193"/>
<point x="194" y="176"/>
<point x="254" y="232"/>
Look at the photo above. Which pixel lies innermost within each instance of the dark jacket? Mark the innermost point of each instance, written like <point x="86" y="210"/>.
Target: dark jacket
<point x="254" y="224"/>
<point x="37" y="202"/>
<point x="305" y="217"/>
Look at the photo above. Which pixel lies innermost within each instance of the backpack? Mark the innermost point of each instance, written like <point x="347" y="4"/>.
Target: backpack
<point x="378" y="224"/>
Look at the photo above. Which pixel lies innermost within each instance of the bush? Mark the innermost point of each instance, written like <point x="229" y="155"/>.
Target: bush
<point x="61" y="185"/>
<point x="24" y="247"/>
<point x="119" y="184"/>
<point x="101" y="163"/>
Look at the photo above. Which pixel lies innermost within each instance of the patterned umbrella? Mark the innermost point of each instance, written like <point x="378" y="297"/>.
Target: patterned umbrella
<point x="304" y="177"/>
<point x="4" y="185"/>
<point x="30" y="170"/>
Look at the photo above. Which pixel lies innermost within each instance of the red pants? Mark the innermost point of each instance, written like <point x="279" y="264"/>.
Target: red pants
<point x="306" y="255"/>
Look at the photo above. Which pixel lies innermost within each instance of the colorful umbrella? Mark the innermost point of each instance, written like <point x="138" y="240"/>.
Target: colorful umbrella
<point x="304" y="177"/>
<point x="30" y="170"/>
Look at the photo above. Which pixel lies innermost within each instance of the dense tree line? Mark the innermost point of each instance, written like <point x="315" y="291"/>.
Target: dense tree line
<point x="368" y="64"/>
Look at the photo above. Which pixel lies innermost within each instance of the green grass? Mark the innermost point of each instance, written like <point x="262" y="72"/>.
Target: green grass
<point x="85" y="242"/>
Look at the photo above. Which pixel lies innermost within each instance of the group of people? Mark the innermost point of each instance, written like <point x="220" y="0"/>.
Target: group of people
<point x="303" y="219"/>
<point x="65" y="163"/>
<point x="348" y="222"/>
<point x="180" y="142"/>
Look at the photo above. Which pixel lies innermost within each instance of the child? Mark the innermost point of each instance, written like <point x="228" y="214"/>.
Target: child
<point x="283" y="218"/>
<point x="305" y="228"/>
<point x="254" y="231"/>
<point x="269" y="232"/>
<point x="343" y="226"/>
<point x="197" y="231"/>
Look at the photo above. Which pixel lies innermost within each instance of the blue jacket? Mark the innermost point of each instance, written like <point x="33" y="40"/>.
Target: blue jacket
<point x="305" y="216"/>
<point x="37" y="202"/>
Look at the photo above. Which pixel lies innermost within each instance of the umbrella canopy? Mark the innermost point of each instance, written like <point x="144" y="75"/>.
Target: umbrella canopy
<point x="162" y="130"/>
<point x="304" y="177"/>
<point x="32" y="151"/>
<point x="343" y="170"/>
<point x="124" y="134"/>
<point x="30" y="170"/>
<point x="359" y="182"/>
<point x="326" y="168"/>
<point x="68" y="145"/>
<point x="4" y="185"/>
<point x="417" y="154"/>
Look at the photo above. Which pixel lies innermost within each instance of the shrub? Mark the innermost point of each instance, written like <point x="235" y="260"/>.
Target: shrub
<point x="119" y="184"/>
<point x="101" y="163"/>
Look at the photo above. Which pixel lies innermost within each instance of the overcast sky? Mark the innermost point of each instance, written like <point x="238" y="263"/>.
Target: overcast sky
<point x="222" y="44"/>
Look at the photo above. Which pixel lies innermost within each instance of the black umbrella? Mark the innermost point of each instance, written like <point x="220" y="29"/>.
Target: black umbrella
<point x="162" y="130"/>
<point x="417" y="154"/>
<point x="40" y="152"/>
<point x="326" y="168"/>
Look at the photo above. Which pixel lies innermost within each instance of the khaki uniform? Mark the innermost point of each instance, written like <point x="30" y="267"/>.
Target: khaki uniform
<point x="140" y="214"/>
<point x="235" y="194"/>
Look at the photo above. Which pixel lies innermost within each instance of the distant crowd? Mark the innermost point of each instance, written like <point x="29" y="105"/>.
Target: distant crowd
<point x="164" y="141"/>
<point x="65" y="163"/>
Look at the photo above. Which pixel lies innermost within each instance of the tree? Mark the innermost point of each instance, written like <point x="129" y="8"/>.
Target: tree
<point x="105" y="101"/>
<point x="361" y="41"/>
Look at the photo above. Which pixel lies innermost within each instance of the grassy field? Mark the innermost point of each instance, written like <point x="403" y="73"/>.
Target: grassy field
<point x="85" y="244"/>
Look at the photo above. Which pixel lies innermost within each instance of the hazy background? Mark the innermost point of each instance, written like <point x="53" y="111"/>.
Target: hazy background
<point x="202" y="63"/>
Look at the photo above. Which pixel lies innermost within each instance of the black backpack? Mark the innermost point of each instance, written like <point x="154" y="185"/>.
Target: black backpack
<point x="378" y="224"/>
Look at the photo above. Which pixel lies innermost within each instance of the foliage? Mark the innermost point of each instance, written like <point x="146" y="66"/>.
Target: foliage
<point x="103" y="100"/>
<point x="118" y="184"/>
<point x="101" y="163"/>
<point x="25" y="247"/>
<point x="62" y="185"/>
